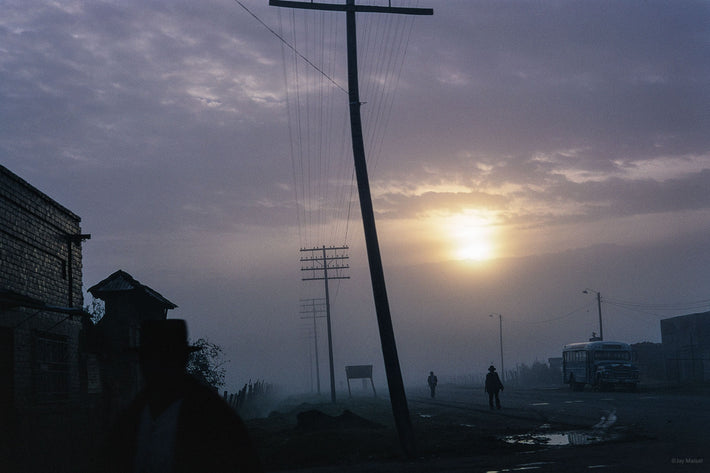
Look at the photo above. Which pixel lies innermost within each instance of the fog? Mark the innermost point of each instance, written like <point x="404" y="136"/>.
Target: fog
<point x="441" y="312"/>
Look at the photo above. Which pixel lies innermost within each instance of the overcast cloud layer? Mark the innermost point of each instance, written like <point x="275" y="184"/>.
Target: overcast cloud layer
<point x="577" y="131"/>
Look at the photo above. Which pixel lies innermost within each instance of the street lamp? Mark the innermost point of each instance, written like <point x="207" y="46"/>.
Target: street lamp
<point x="500" y="319"/>
<point x="599" y="308"/>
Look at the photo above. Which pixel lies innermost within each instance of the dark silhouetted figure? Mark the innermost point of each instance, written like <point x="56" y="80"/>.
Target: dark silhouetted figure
<point x="493" y="386"/>
<point x="176" y="424"/>
<point x="432" y="381"/>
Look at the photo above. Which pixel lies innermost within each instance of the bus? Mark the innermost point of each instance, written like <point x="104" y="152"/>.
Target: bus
<point x="602" y="365"/>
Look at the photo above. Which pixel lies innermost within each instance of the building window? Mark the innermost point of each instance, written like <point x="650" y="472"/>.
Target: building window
<point x="51" y="367"/>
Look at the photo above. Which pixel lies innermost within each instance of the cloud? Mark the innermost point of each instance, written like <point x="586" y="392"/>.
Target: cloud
<point x="170" y="128"/>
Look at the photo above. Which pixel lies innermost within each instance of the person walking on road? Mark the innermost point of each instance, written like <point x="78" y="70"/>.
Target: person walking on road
<point x="432" y="381"/>
<point x="493" y="387"/>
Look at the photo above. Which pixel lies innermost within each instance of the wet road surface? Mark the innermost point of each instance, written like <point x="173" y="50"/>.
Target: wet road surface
<point x="539" y="430"/>
<point x="650" y="430"/>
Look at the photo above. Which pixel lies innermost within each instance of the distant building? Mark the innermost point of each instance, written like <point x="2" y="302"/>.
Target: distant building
<point x="686" y="348"/>
<point x="43" y="375"/>
<point x="127" y="304"/>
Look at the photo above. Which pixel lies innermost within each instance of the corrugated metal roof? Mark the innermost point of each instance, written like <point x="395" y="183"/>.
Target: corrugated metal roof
<point x="121" y="281"/>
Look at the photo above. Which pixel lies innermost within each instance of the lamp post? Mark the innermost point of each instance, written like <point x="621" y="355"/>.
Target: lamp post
<point x="599" y="309"/>
<point x="500" y="319"/>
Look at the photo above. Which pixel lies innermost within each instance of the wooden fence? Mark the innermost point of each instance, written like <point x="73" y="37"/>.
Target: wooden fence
<point x="251" y="399"/>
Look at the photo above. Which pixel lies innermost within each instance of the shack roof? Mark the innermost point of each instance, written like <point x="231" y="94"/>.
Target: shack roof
<point x="122" y="282"/>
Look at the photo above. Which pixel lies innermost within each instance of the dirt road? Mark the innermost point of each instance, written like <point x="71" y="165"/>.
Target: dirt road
<point x="545" y="430"/>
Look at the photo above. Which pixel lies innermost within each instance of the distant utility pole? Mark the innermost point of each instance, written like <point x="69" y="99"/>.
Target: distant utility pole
<point x="384" y="319"/>
<point x="599" y="310"/>
<point x="330" y="260"/>
<point x="314" y="307"/>
<point x="500" y="320"/>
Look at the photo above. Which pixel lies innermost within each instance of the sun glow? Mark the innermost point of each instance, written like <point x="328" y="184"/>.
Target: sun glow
<point x="471" y="236"/>
<point x="478" y="251"/>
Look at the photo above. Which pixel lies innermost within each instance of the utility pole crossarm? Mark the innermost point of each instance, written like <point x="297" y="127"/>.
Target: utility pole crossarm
<point x="320" y="268"/>
<point x="330" y="257"/>
<point x="323" y="263"/>
<point x="353" y="8"/>
<point x="327" y="259"/>
<point x="328" y="278"/>
<point x="321" y="248"/>
<point x="318" y="307"/>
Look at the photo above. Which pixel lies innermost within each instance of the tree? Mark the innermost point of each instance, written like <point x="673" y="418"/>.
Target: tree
<point x="206" y="363"/>
<point x="96" y="308"/>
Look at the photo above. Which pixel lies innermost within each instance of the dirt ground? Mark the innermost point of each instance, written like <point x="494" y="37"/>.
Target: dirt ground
<point x="358" y="435"/>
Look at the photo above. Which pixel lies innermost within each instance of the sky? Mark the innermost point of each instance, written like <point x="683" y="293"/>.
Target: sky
<point x="519" y="153"/>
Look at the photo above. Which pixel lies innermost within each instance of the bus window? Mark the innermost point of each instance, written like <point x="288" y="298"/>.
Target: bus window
<point x="608" y="355"/>
<point x="575" y="355"/>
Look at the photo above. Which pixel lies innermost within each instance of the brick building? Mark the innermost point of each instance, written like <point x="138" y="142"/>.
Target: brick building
<point x="42" y="370"/>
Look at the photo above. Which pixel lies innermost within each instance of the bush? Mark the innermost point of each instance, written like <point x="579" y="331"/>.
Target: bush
<point x="206" y="363"/>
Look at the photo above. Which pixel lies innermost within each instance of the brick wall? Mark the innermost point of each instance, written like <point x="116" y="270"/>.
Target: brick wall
<point x="40" y="259"/>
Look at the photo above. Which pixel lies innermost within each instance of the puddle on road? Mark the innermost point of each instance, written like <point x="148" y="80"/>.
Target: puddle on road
<point x="559" y="438"/>
<point x="538" y="466"/>
<point x="542" y="437"/>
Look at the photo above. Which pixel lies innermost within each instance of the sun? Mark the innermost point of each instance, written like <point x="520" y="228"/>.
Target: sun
<point x="471" y="236"/>
<point x="476" y="251"/>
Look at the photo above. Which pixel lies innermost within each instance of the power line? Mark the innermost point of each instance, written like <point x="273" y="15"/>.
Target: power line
<point x="291" y="47"/>
<point x="554" y="319"/>
<point x="693" y="305"/>
<point x="323" y="176"/>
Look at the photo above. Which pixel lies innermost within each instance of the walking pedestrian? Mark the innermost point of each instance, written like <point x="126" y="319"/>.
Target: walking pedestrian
<point x="432" y="381"/>
<point x="493" y="386"/>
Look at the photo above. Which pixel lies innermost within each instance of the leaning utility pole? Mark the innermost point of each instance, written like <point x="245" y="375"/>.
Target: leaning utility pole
<point x="322" y="263"/>
<point x="314" y="307"/>
<point x="384" y="319"/>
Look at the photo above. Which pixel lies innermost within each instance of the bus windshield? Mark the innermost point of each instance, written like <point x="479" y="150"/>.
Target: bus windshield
<point x="608" y="355"/>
